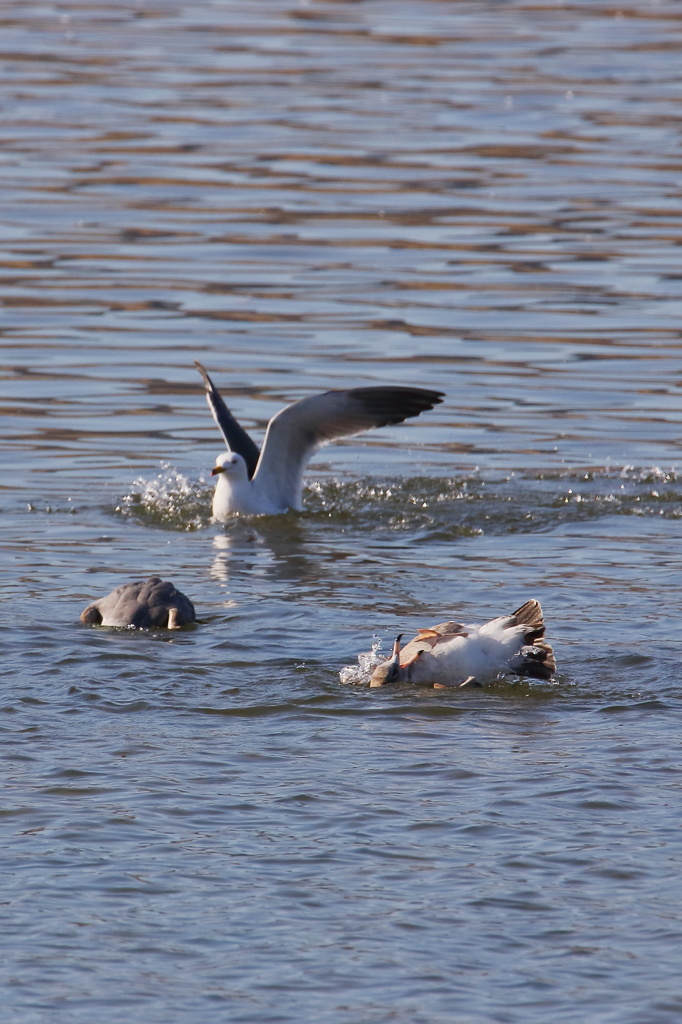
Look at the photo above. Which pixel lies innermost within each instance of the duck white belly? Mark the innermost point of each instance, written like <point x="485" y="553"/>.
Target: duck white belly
<point x="452" y="661"/>
<point x="450" y="654"/>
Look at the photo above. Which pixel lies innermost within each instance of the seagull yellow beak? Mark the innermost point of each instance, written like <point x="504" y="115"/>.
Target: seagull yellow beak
<point x="217" y="469"/>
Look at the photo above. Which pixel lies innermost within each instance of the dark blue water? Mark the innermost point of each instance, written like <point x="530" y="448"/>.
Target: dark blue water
<point x="480" y="198"/>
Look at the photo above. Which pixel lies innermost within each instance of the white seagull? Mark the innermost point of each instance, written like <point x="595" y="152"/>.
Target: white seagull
<point x="451" y="655"/>
<point x="145" y="604"/>
<point x="271" y="481"/>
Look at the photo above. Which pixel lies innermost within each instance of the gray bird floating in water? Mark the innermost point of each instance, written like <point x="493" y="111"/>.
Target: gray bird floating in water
<point x="271" y="481"/>
<point x="152" y="603"/>
<point x="451" y="655"/>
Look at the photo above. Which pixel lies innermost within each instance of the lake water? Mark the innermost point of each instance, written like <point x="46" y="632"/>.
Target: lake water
<point x="484" y="198"/>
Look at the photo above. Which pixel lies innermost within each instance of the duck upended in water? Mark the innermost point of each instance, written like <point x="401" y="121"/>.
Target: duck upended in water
<point x="271" y="481"/>
<point x="144" y="604"/>
<point x="452" y="655"/>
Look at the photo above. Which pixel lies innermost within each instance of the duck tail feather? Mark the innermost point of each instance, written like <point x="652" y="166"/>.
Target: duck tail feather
<point x="530" y="615"/>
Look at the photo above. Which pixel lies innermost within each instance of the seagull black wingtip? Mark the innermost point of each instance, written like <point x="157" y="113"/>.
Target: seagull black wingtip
<point x="394" y="404"/>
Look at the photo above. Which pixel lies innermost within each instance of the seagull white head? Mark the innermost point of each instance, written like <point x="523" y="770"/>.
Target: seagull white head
<point x="233" y="489"/>
<point x="231" y="463"/>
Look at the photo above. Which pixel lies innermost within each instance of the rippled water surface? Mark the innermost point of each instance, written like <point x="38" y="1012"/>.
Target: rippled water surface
<point x="483" y="198"/>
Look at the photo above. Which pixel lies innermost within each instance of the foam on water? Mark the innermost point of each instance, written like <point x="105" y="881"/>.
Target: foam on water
<point x="169" y="499"/>
<point x="443" y="508"/>
<point x="360" y="674"/>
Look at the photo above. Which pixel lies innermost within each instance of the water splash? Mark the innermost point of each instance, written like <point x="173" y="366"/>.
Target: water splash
<point x="428" y="508"/>
<point x="169" y="500"/>
<point x="360" y="674"/>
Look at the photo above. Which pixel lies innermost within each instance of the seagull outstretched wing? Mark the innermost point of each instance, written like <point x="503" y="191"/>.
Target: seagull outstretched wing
<point x="298" y="430"/>
<point x="236" y="438"/>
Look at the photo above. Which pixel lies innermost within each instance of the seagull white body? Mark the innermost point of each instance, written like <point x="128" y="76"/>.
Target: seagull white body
<point x="451" y="654"/>
<point x="234" y="492"/>
<point x="271" y="481"/>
